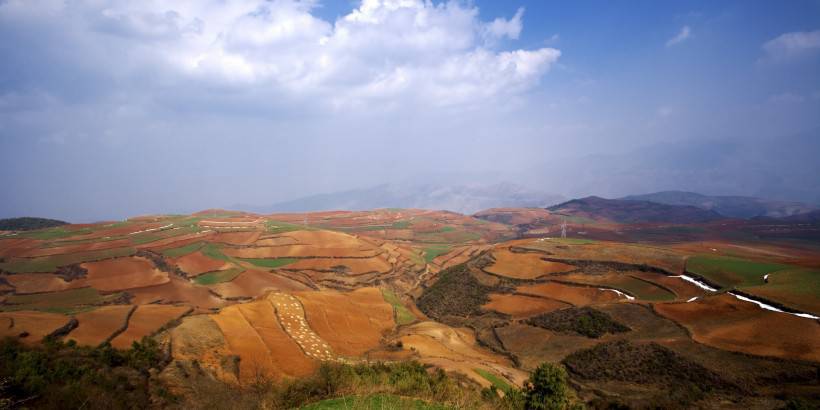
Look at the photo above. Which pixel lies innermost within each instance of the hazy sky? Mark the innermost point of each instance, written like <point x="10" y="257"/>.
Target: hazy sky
<point x="116" y="108"/>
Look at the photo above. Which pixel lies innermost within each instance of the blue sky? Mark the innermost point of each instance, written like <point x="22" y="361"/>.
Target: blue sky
<point x="110" y="109"/>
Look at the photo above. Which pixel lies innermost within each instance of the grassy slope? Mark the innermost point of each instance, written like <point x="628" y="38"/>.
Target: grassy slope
<point x="373" y="402"/>
<point x="732" y="272"/>
<point x="403" y="315"/>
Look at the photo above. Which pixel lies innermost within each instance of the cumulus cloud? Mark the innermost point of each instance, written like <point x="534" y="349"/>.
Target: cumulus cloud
<point x="404" y="51"/>
<point x="684" y="34"/>
<point x="792" y="45"/>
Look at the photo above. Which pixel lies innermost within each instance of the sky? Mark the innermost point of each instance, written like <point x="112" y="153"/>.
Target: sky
<point x="111" y="109"/>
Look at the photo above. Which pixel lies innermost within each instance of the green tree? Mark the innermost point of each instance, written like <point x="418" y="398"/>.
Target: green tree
<point x="546" y="388"/>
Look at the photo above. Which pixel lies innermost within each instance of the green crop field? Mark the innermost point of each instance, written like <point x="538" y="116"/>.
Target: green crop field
<point x="401" y="225"/>
<point x="432" y="252"/>
<point x="220" y="276"/>
<point x="796" y="288"/>
<point x="182" y="250"/>
<point x="280" y="227"/>
<point x="374" y="402"/>
<point x="269" y="263"/>
<point x="212" y="251"/>
<point x="731" y="272"/>
<point x="498" y="382"/>
<point x="66" y="302"/>
<point x="643" y="290"/>
<point x="59" y="232"/>
<point x="50" y="263"/>
<point x="403" y="315"/>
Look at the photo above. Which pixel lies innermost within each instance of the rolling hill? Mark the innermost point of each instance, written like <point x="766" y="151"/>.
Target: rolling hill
<point x="632" y="211"/>
<point x="729" y="206"/>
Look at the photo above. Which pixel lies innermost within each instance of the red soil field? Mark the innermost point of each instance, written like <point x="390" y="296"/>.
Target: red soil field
<point x="176" y="241"/>
<point x="683" y="289"/>
<point x="123" y="273"/>
<point x="254" y="283"/>
<point x="353" y="322"/>
<point x="146" y="320"/>
<point x="252" y="331"/>
<point x="16" y="247"/>
<point x="352" y="266"/>
<point x="196" y="263"/>
<point x="237" y="238"/>
<point x="99" y="324"/>
<point x="575" y="295"/>
<point x="84" y="247"/>
<point x="519" y="306"/>
<point x="725" y="322"/>
<point x="37" y="324"/>
<point x="41" y="282"/>
<point x="276" y="241"/>
<point x="301" y="251"/>
<point x="177" y="290"/>
<point x="523" y="265"/>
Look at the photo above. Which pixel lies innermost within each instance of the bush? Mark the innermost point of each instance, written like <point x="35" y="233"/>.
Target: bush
<point x="584" y="321"/>
<point x="546" y="388"/>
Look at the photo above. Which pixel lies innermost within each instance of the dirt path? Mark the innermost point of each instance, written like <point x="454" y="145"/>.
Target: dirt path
<point x="291" y="315"/>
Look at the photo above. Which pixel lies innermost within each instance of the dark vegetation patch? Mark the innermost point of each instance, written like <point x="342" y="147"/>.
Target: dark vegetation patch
<point x="455" y="293"/>
<point x="159" y="261"/>
<point x="71" y="272"/>
<point x="60" y="375"/>
<point x="27" y="223"/>
<point x="584" y="321"/>
<point x="683" y="380"/>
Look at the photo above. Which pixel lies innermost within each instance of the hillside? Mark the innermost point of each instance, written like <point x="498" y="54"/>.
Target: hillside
<point x="729" y="206"/>
<point x="630" y="211"/>
<point x="27" y="223"/>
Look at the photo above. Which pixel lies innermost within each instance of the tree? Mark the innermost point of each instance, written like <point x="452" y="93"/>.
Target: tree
<point x="546" y="388"/>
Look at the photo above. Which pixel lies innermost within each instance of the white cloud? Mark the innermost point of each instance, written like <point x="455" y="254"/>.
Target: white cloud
<point x="684" y="33"/>
<point x="792" y="45"/>
<point x="500" y="28"/>
<point x="409" y="51"/>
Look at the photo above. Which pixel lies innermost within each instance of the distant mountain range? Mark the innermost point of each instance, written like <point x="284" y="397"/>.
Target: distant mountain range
<point x="729" y="206"/>
<point x="633" y="211"/>
<point x="465" y="199"/>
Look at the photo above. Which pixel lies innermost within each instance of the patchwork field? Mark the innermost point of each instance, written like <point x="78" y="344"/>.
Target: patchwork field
<point x="240" y="297"/>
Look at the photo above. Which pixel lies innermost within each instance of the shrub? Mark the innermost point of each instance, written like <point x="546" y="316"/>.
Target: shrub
<point x="546" y="388"/>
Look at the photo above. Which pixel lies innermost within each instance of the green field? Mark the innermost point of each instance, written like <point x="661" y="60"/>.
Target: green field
<point x="432" y="252"/>
<point x="498" y="382"/>
<point x="212" y="278"/>
<point x="400" y="225"/>
<point x="50" y="263"/>
<point x="212" y="251"/>
<point x="731" y="272"/>
<point x="373" y="402"/>
<point x="796" y="288"/>
<point x="53" y="233"/>
<point x="403" y="315"/>
<point x="280" y="227"/>
<point x="66" y="302"/>
<point x="269" y="263"/>
<point x="182" y="250"/>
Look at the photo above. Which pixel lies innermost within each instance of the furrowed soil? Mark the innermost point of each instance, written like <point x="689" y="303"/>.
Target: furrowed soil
<point x="99" y="325"/>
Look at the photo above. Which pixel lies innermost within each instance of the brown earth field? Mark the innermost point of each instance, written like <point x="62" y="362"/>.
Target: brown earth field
<point x="196" y="263"/>
<point x="523" y="265"/>
<point x="519" y="306"/>
<point x="146" y="320"/>
<point x="31" y="327"/>
<point x="177" y="290"/>
<point x="24" y="283"/>
<point x="352" y="322"/>
<point x="574" y="295"/>
<point x="252" y="332"/>
<point x="725" y="322"/>
<point x="354" y="266"/>
<point x="302" y="251"/>
<point x="100" y="324"/>
<point x="455" y="349"/>
<point x="123" y="273"/>
<point x="253" y="283"/>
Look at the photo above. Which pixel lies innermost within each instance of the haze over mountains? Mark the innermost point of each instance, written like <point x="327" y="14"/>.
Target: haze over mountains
<point x="465" y="199"/>
<point x="730" y="206"/>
